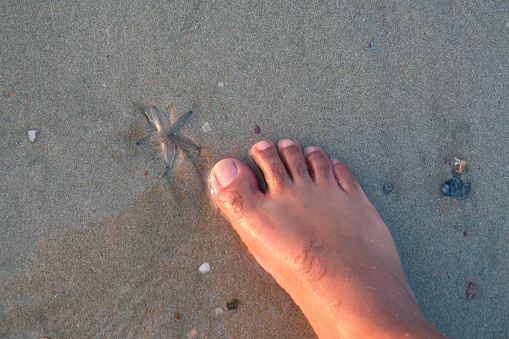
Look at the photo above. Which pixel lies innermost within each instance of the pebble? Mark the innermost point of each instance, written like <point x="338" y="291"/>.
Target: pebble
<point x="204" y="268"/>
<point x="193" y="334"/>
<point x="257" y="129"/>
<point x="218" y="310"/>
<point x="31" y="134"/>
<point x="232" y="304"/>
<point x="456" y="188"/>
<point x="387" y="187"/>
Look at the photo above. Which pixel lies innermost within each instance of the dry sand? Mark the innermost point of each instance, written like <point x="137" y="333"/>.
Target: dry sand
<point x="96" y="240"/>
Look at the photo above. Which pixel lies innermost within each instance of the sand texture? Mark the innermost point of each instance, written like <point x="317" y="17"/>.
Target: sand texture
<point x="97" y="240"/>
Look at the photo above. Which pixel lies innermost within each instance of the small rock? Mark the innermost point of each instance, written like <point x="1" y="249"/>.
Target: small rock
<point x="456" y="188"/>
<point x="387" y="187"/>
<point x="204" y="268"/>
<point x="193" y="334"/>
<point x="218" y="310"/>
<point x="31" y="134"/>
<point x="220" y="84"/>
<point x="257" y="129"/>
<point x="232" y="304"/>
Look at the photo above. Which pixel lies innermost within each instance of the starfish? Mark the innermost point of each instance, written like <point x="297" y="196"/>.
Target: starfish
<point x="168" y="136"/>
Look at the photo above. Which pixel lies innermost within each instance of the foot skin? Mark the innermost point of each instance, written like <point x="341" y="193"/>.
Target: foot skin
<point x="316" y="232"/>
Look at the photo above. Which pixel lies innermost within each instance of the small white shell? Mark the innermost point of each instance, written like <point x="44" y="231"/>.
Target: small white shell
<point x="206" y="127"/>
<point x="31" y="134"/>
<point x="204" y="268"/>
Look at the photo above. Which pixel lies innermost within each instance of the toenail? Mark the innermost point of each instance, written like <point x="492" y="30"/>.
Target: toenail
<point x="311" y="149"/>
<point x="225" y="171"/>
<point x="286" y="142"/>
<point x="262" y="145"/>
<point x="335" y="161"/>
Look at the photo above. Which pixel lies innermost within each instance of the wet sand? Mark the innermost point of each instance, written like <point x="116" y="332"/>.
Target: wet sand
<point x="97" y="240"/>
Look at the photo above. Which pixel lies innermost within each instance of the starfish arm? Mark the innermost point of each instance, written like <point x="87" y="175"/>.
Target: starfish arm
<point x="160" y="120"/>
<point x="168" y="153"/>
<point x="177" y="126"/>
<point x="152" y="139"/>
<point x="184" y="142"/>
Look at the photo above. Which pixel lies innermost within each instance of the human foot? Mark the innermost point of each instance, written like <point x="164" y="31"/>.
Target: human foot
<point x="315" y="231"/>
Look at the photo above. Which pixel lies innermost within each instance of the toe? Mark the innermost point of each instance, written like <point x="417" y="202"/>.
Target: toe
<point x="266" y="157"/>
<point x="235" y="189"/>
<point x="319" y="165"/>
<point x="293" y="158"/>
<point x="345" y="177"/>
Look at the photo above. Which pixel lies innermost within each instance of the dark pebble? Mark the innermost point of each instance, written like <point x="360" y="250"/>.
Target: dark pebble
<point x="232" y="304"/>
<point x="257" y="129"/>
<point x="456" y="188"/>
<point x="387" y="187"/>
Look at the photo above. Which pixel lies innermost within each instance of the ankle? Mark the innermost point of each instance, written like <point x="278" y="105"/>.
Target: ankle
<point x="338" y="307"/>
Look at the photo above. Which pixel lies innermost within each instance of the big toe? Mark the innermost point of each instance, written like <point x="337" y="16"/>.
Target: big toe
<point x="235" y="189"/>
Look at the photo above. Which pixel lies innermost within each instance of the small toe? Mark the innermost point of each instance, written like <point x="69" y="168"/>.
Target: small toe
<point x="319" y="165"/>
<point x="293" y="158"/>
<point x="266" y="157"/>
<point x="234" y="188"/>
<point x="345" y="177"/>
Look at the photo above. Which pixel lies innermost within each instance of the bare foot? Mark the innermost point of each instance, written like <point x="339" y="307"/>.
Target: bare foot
<point x="315" y="231"/>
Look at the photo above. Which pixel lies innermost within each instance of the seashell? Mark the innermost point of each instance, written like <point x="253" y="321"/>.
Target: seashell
<point x="459" y="165"/>
<point x="471" y="291"/>
<point x="32" y="134"/>
<point x="204" y="268"/>
<point x="206" y="127"/>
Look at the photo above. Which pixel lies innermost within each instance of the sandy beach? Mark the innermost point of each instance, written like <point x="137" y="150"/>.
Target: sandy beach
<point x="98" y="240"/>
